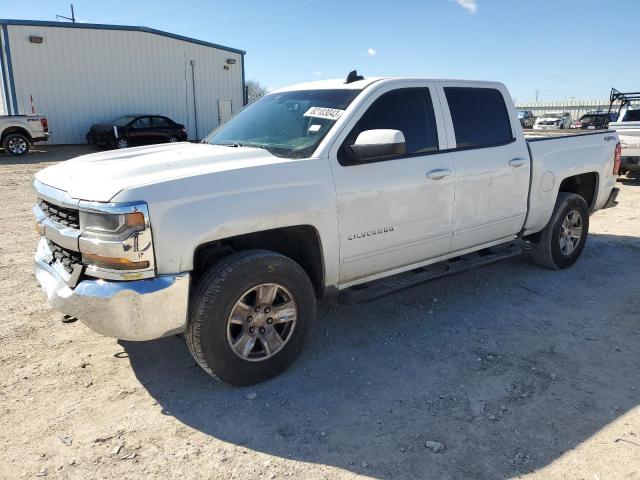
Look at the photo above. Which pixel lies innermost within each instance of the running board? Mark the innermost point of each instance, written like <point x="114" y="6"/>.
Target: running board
<point x="367" y="292"/>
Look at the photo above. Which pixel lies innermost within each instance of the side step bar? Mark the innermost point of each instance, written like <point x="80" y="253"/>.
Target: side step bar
<point x="379" y="288"/>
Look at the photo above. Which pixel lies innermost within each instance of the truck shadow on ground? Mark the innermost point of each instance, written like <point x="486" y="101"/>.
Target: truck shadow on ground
<point x="509" y="366"/>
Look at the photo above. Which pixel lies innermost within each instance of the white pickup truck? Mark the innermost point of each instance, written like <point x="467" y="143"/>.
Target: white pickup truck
<point x="19" y="132"/>
<point x="305" y="193"/>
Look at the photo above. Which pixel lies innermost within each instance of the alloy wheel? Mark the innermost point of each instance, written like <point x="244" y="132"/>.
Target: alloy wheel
<point x="570" y="232"/>
<point x="261" y="322"/>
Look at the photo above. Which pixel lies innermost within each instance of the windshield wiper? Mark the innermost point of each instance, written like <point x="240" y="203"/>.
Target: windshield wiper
<point x="238" y="144"/>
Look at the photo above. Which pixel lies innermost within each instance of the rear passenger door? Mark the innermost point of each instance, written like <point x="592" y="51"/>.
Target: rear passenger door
<point x="395" y="211"/>
<point x="160" y="130"/>
<point x="492" y="164"/>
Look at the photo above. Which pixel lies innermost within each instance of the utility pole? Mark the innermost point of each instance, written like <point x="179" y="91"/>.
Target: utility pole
<point x="72" y="18"/>
<point x="537" y="95"/>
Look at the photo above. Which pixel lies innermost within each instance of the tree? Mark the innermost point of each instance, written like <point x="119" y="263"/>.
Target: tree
<point x="255" y="90"/>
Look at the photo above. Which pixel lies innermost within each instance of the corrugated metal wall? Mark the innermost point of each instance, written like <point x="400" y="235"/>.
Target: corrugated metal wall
<point x="79" y="76"/>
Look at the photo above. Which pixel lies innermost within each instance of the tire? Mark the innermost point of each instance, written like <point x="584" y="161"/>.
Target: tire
<point x="16" y="144"/>
<point x="549" y="250"/>
<point x="172" y="139"/>
<point x="121" y="143"/>
<point x="218" y="321"/>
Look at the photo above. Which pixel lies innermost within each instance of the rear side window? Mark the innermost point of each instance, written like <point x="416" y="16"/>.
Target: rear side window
<point x="632" y="116"/>
<point x="159" y="122"/>
<point x="409" y="110"/>
<point x="480" y="117"/>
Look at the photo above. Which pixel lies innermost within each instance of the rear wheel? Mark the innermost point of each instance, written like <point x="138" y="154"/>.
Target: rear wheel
<point x="561" y="242"/>
<point x="172" y="139"/>
<point x="16" y="144"/>
<point x="250" y="316"/>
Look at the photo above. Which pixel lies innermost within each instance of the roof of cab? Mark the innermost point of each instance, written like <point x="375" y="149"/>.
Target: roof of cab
<point x="336" y="83"/>
<point x="339" y="83"/>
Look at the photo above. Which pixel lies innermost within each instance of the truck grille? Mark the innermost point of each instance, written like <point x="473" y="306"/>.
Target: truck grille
<point x="68" y="217"/>
<point x="67" y="258"/>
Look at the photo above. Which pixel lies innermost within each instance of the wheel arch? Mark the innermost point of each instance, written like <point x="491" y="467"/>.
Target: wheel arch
<point x="583" y="184"/>
<point x="301" y="243"/>
<point x="15" y="129"/>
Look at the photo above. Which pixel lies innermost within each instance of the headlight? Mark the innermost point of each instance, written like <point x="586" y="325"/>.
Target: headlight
<point x="111" y="225"/>
<point x="116" y="241"/>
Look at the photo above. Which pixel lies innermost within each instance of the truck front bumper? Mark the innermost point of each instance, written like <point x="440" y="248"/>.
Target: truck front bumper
<point x="129" y="310"/>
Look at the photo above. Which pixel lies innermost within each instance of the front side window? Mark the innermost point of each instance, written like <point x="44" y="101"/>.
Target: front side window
<point x="142" y="122"/>
<point x="287" y="124"/>
<point x="409" y="110"/>
<point x="480" y="117"/>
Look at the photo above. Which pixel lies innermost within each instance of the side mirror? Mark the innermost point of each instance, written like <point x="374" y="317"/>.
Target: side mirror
<point x="379" y="143"/>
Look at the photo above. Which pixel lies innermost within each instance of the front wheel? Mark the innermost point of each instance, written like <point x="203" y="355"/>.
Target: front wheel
<point x="250" y="316"/>
<point x="561" y="242"/>
<point x="122" y="143"/>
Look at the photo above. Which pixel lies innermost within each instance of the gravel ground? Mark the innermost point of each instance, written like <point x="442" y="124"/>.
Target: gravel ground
<point x="517" y="371"/>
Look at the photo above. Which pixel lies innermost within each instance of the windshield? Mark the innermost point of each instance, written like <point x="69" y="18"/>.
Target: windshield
<point x="122" y="121"/>
<point x="288" y="124"/>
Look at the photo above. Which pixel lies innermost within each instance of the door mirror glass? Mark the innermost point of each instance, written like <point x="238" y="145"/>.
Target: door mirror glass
<point x="378" y="143"/>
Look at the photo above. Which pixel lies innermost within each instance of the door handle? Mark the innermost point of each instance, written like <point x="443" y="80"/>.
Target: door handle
<point x="517" y="162"/>
<point x="438" y="173"/>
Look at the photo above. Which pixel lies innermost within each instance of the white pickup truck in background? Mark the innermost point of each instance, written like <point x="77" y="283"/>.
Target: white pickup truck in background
<point x="305" y="193"/>
<point x="628" y="128"/>
<point x="19" y="132"/>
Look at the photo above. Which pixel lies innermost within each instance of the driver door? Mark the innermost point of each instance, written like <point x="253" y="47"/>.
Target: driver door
<point x="394" y="212"/>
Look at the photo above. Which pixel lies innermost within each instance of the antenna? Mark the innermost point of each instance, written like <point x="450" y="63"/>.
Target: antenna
<point x="353" y="77"/>
<point x="72" y="18"/>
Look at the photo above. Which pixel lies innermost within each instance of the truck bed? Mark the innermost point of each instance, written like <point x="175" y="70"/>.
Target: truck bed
<point x="557" y="156"/>
<point x="537" y="135"/>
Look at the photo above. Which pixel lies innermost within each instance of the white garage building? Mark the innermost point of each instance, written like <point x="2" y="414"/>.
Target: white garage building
<point x="78" y="74"/>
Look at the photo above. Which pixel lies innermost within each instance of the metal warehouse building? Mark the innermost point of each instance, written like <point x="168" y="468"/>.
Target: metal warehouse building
<point x="78" y="74"/>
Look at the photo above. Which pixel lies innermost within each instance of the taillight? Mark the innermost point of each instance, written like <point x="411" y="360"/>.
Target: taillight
<point x="45" y="124"/>
<point x="617" y="159"/>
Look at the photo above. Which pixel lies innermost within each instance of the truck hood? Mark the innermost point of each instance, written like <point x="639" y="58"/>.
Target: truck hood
<point x="100" y="176"/>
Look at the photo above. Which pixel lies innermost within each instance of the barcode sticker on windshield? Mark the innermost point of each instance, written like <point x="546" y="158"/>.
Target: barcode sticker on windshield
<point x="321" y="112"/>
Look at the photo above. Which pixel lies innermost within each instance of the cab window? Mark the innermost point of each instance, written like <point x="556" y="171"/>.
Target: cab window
<point x="409" y="110"/>
<point x="480" y="117"/>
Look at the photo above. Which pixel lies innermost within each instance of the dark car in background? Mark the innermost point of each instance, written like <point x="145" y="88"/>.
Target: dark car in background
<point x="526" y="118"/>
<point x="131" y="130"/>
<point x="594" y="120"/>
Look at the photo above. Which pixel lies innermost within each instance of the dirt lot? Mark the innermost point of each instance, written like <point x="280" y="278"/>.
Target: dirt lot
<point x="519" y="372"/>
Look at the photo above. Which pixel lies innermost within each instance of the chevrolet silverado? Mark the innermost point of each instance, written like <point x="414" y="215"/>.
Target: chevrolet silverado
<point x="309" y="192"/>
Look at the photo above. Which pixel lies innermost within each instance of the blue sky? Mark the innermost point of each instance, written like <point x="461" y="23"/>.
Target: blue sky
<point x="562" y="48"/>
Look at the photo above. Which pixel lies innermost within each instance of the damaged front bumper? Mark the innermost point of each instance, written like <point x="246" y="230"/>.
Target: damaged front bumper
<point x="129" y="310"/>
